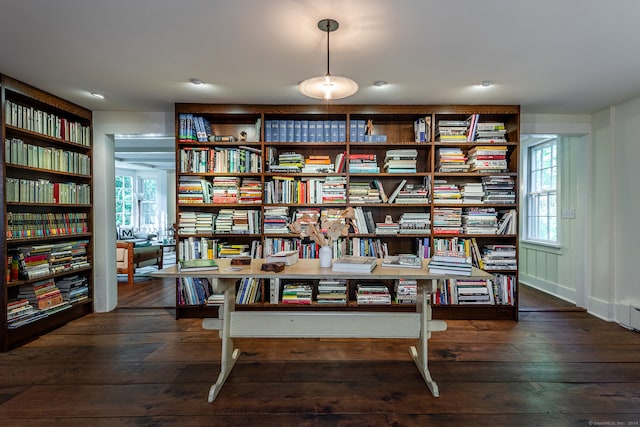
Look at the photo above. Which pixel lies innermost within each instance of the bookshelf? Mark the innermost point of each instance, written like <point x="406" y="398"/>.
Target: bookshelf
<point x="354" y="156"/>
<point x="47" y="206"/>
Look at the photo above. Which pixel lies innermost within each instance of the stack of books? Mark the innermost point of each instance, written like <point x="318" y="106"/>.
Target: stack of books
<point x="472" y="193"/>
<point x="332" y="292"/>
<point x="452" y="131"/>
<point x="317" y="164"/>
<point x="479" y="221"/>
<point x="297" y="293"/>
<point x="250" y="192"/>
<point x="276" y="220"/>
<point x="487" y="158"/>
<point x="450" y="262"/>
<point x="361" y="192"/>
<point x="491" y="132"/>
<point x="413" y="194"/>
<point x="363" y="163"/>
<point x="401" y="161"/>
<point x="447" y="220"/>
<point x="499" y="189"/>
<point x="443" y="192"/>
<point x="44" y="295"/>
<point x="451" y="159"/>
<point x="334" y="190"/>
<point x="225" y="189"/>
<point x="354" y="264"/>
<point x="20" y="312"/>
<point x="499" y="257"/>
<point x="288" y="257"/>
<point x="415" y="223"/>
<point x="402" y="261"/>
<point x="473" y="291"/>
<point x="197" y="265"/>
<point x="387" y="228"/>
<point x="406" y="291"/>
<point x="74" y="288"/>
<point x="372" y="294"/>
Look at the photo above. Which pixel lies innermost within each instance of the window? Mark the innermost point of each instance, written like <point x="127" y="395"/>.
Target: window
<point x="148" y="204"/>
<point x="542" y="192"/>
<point x="124" y="201"/>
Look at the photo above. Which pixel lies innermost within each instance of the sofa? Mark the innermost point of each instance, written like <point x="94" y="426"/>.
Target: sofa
<point x="132" y="254"/>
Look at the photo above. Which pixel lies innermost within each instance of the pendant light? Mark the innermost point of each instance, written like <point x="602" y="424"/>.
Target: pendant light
<point x="328" y="86"/>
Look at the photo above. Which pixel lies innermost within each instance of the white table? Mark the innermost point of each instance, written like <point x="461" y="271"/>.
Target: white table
<point x="319" y="324"/>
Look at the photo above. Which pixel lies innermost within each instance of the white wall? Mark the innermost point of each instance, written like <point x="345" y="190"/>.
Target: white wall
<point x="617" y="141"/>
<point x="553" y="268"/>
<point x="561" y="271"/>
<point x="105" y="125"/>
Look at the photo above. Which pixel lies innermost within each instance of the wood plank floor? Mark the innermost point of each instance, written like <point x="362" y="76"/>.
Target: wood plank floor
<point x="135" y="367"/>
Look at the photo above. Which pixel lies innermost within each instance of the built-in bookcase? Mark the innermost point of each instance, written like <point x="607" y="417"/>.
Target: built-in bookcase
<point x="47" y="209"/>
<point x="245" y="202"/>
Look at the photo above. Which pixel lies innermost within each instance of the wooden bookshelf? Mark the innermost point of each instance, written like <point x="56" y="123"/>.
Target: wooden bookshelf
<point x="47" y="206"/>
<point x="396" y="123"/>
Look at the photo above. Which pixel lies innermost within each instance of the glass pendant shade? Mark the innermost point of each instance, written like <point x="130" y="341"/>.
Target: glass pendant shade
<point x="328" y="87"/>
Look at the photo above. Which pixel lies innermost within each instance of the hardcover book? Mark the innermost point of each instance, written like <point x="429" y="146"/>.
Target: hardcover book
<point x="402" y="261"/>
<point x="354" y="264"/>
<point x="197" y="265"/>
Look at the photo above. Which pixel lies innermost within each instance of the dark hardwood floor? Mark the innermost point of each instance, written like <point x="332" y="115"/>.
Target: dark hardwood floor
<point x="134" y="367"/>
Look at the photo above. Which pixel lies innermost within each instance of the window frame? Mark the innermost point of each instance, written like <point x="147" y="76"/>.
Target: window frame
<point x="539" y="143"/>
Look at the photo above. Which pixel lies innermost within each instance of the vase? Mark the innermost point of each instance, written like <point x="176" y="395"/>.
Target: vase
<point x="325" y="256"/>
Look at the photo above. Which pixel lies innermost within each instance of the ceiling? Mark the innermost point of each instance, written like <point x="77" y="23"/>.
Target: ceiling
<point x="549" y="56"/>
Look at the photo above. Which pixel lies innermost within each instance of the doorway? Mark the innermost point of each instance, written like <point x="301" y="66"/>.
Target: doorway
<point x="145" y="209"/>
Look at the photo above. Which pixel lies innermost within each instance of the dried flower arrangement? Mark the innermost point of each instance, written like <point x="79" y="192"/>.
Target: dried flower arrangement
<point x="336" y="225"/>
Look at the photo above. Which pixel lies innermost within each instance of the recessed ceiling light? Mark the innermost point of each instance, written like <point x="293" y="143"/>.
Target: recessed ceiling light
<point x="196" y="81"/>
<point x="486" y="83"/>
<point x="97" y="95"/>
<point x="379" y="83"/>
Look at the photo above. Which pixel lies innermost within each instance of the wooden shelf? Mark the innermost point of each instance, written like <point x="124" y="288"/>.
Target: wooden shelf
<point x="394" y="121"/>
<point x="23" y="109"/>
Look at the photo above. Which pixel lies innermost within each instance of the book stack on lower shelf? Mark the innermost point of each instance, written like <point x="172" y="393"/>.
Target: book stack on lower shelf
<point x="372" y="294"/>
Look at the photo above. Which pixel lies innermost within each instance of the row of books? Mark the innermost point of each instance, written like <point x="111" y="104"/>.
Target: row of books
<point x="221" y="190"/>
<point x="240" y="159"/>
<point x="211" y="248"/>
<point x="23" y="225"/>
<point x="470" y="130"/>
<point x="31" y="262"/>
<point x="44" y="191"/>
<point x="225" y="221"/>
<point x="497" y="291"/>
<point x="287" y="189"/>
<point x="42" y="122"/>
<point x="194" y="128"/>
<point x="292" y="162"/>
<point x="17" y="152"/>
<point x="194" y="291"/>
<point x="289" y="130"/>
<point x="35" y="301"/>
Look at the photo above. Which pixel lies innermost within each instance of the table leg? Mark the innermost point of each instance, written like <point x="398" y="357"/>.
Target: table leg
<point x="420" y="354"/>
<point x="229" y="354"/>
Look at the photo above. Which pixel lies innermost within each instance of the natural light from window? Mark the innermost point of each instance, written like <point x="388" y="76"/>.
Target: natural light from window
<point x="542" y="192"/>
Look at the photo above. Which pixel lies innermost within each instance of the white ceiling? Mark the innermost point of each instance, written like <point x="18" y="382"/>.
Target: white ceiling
<point x="549" y="56"/>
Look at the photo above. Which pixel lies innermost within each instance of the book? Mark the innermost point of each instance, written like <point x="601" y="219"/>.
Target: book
<point x="395" y="193"/>
<point x="402" y="261"/>
<point x="197" y="265"/>
<point x="354" y="264"/>
<point x="288" y="257"/>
